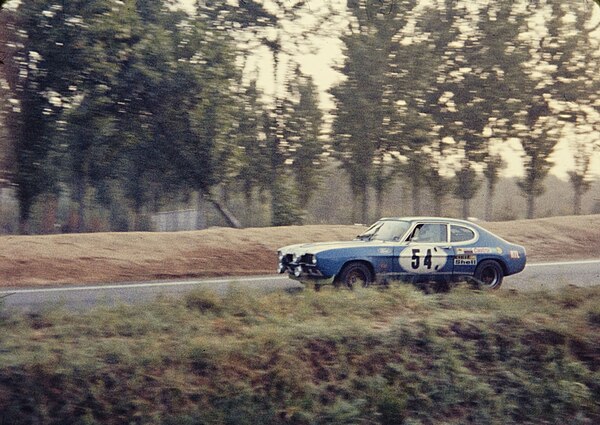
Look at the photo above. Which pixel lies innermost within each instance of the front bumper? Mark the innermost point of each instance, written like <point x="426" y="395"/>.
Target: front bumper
<point x="301" y="268"/>
<point x="300" y="271"/>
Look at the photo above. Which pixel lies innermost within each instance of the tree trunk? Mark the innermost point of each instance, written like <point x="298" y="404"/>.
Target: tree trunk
<point x="249" y="207"/>
<point x="364" y="206"/>
<point x="354" y="201"/>
<point x="49" y="217"/>
<point x="530" y="205"/>
<point x="416" y="198"/>
<point x="200" y="212"/>
<point x="137" y="212"/>
<point x="225" y="194"/>
<point x="437" y="206"/>
<point x="80" y="189"/>
<point x="24" y="223"/>
<point x="577" y="193"/>
<point x="466" y="203"/>
<point x="378" y="203"/>
<point x="222" y="209"/>
<point x="489" y="202"/>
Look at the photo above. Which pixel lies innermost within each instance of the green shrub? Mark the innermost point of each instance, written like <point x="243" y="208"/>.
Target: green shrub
<point x="337" y="356"/>
<point x="204" y="301"/>
<point x="593" y="315"/>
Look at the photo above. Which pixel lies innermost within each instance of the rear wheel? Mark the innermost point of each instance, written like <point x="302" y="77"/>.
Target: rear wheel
<point x="489" y="273"/>
<point x="355" y="274"/>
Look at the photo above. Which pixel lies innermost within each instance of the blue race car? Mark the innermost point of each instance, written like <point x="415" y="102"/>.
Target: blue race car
<point x="417" y="249"/>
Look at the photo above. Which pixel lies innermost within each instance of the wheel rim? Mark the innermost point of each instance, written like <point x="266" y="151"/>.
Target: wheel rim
<point x="489" y="276"/>
<point x="355" y="277"/>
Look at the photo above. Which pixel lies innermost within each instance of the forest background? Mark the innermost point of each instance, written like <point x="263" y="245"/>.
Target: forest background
<point x="113" y="111"/>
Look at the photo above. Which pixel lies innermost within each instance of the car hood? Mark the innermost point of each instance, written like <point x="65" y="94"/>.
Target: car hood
<point x="315" y="248"/>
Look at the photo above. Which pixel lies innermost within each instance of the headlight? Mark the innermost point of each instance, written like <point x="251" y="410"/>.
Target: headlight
<point x="298" y="271"/>
<point x="310" y="259"/>
<point x="280" y="255"/>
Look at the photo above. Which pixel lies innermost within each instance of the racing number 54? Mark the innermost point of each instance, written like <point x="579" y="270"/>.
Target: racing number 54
<point x="416" y="259"/>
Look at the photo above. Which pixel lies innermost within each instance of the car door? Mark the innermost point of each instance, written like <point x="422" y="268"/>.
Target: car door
<point x="426" y="252"/>
<point x="462" y="239"/>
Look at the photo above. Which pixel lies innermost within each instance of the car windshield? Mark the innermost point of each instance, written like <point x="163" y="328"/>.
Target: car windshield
<point x="386" y="230"/>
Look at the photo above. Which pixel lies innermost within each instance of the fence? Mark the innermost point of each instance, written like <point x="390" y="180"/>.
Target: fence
<point x="180" y="220"/>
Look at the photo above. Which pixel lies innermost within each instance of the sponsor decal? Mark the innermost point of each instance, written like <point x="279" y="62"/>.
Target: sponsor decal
<point x="385" y="251"/>
<point x="515" y="255"/>
<point x="476" y="250"/>
<point x="499" y="250"/>
<point x="465" y="260"/>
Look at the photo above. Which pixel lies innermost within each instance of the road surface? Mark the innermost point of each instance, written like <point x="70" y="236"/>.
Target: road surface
<point x="537" y="276"/>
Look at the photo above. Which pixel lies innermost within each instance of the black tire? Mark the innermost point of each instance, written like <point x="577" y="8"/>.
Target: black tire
<point x="489" y="274"/>
<point x="355" y="273"/>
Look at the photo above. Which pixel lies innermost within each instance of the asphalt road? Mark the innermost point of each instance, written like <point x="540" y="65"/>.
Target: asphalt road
<point x="537" y="276"/>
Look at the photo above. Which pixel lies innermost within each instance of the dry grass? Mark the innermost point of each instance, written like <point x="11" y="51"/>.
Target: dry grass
<point x="362" y="357"/>
<point x="116" y="257"/>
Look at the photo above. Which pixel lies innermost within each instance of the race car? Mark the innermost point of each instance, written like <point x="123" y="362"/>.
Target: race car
<point x="415" y="249"/>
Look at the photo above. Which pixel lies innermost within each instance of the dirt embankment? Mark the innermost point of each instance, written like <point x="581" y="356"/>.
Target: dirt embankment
<point x="117" y="257"/>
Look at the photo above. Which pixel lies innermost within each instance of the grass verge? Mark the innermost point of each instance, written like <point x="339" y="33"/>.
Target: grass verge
<point x="367" y="356"/>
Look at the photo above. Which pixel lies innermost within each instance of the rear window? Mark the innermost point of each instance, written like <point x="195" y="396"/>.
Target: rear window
<point x="461" y="234"/>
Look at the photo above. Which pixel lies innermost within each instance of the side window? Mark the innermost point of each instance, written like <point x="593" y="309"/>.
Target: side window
<point x="429" y="233"/>
<point x="461" y="234"/>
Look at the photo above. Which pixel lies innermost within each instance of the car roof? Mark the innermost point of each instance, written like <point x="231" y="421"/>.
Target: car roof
<point x="431" y="219"/>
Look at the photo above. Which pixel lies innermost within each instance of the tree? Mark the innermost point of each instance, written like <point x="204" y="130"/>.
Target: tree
<point x="555" y="50"/>
<point x="467" y="184"/>
<point x="98" y="98"/>
<point x="253" y="166"/>
<point x="279" y="126"/>
<point x="36" y="81"/>
<point x="493" y="166"/>
<point x="364" y="138"/>
<point x="538" y="145"/>
<point x="6" y="148"/>
<point x="304" y="128"/>
<point x="440" y="187"/>
<point x="205" y="149"/>
<point x="580" y="176"/>
<point x="415" y="131"/>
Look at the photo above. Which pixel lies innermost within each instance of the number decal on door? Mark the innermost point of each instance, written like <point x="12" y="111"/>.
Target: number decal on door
<point x="423" y="259"/>
<point x="416" y="259"/>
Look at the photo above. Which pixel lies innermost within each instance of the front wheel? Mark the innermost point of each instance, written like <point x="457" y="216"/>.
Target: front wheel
<point x="355" y="274"/>
<point x="489" y="273"/>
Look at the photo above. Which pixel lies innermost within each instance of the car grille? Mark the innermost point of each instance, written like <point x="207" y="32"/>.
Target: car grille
<point x="306" y="259"/>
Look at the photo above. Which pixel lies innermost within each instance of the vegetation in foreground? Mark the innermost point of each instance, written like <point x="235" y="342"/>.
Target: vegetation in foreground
<point x="367" y="356"/>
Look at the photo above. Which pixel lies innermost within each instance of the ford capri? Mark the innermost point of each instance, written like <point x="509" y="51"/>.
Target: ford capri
<point x="414" y="249"/>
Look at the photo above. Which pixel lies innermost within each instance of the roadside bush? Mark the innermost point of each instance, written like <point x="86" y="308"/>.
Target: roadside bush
<point x="344" y="357"/>
<point x="204" y="301"/>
